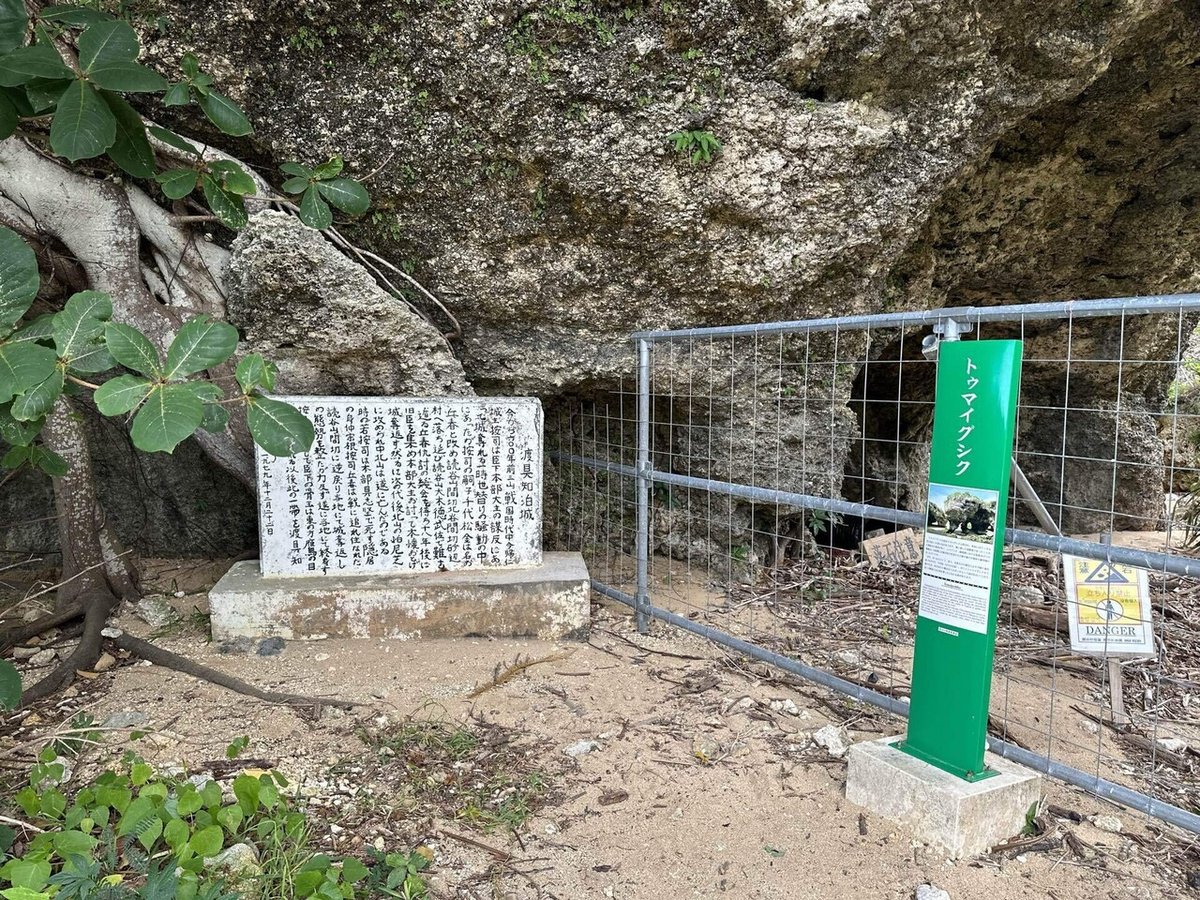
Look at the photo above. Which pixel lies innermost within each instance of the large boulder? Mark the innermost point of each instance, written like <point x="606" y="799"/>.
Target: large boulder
<point x="325" y="320"/>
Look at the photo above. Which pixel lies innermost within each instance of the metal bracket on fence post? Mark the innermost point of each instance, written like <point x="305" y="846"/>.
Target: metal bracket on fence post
<point x="943" y="330"/>
<point x="644" y="473"/>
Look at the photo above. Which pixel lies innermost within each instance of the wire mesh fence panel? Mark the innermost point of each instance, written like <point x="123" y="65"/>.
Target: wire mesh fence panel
<point x="784" y="473"/>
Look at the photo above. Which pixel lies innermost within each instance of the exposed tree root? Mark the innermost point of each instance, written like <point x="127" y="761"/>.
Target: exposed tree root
<point x="86" y="652"/>
<point x="167" y="659"/>
<point x="21" y="633"/>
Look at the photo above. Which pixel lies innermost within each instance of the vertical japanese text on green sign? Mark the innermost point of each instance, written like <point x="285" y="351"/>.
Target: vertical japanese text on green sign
<point x="970" y="462"/>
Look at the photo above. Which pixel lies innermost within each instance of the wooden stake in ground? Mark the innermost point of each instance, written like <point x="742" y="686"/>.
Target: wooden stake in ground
<point x="1116" y="690"/>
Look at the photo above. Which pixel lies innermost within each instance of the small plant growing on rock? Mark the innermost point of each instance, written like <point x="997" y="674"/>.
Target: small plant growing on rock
<point x="698" y="146"/>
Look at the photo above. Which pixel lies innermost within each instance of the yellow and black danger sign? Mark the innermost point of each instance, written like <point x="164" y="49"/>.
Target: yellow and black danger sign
<point x="1108" y="608"/>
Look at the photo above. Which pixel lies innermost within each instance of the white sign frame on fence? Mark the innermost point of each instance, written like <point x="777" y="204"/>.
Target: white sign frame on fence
<point x="1108" y="608"/>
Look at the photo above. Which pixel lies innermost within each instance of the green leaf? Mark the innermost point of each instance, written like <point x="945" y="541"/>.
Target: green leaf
<point x="225" y="114"/>
<point x="233" y="177"/>
<point x="179" y="94"/>
<point x="37" y="400"/>
<point x="8" y="117"/>
<point x="47" y="461"/>
<point x="15" y="457"/>
<point x="121" y="395"/>
<point x="216" y="418"/>
<point x="107" y="42"/>
<point x="299" y="171"/>
<point x="40" y="329"/>
<point x="278" y="427"/>
<point x="353" y="870"/>
<point x="346" y="194"/>
<point x="176" y="834"/>
<point x="129" y="77"/>
<point x="74" y="16"/>
<point x="10" y="685"/>
<point x="207" y="841"/>
<point x="19" y="434"/>
<point x="18" y="277"/>
<point x="201" y="344"/>
<point x="22" y="366"/>
<point x="170" y="137"/>
<point x="44" y="93"/>
<point x="296" y="185"/>
<point x="245" y="788"/>
<point x="81" y="322"/>
<point x="315" y="212"/>
<point x="189" y="65"/>
<point x="132" y="349"/>
<point x="18" y="97"/>
<point x="230" y="817"/>
<point x="226" y="206"/>
<point x="211" y="793"/>
<point x="68" y="843"/>
<point x="35" y="61"/>
<point x="83" y="125"/>
<point x="13" y="23"/>
<point x="151" y="833"/>
<point x="170" y="415"/>
<point x="132" y="150"/>
<point x="23" y="893"/>
<point x="255" y="372"/>
<point x="177" y="183"/>
<point x="330" y="169"/>
<point x="92" y="359"/>
<point x="28" y="873"/>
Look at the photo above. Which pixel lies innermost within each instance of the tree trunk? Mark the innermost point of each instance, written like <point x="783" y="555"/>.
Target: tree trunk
<point x="96" y="575"/>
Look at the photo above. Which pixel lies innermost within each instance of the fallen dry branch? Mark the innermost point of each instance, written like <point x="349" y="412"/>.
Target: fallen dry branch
<point x="169" y="660"/>
<point x="1140" y="741"/>
<point x="501" y="855"/>
<point x="503" y="674"/>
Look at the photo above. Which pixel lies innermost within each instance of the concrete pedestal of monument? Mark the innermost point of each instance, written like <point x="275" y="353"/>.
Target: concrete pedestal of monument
<point x="962" y="818"/>
<point x="548" y="601"/>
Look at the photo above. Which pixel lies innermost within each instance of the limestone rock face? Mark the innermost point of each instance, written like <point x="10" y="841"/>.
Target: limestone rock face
<point x="874" y="154"/>
<point x="535" y="165"/>
<point x="326" y="323"/>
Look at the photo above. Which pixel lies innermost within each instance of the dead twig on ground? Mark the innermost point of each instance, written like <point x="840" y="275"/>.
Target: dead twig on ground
<point x="503" y="674"/>
<point x="645" y="649"/>
<point x="502" y="855"/>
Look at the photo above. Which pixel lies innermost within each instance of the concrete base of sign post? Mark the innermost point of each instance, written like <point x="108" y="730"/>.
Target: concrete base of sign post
<point x="959" y="817"/>
<point x="549" y="601"/>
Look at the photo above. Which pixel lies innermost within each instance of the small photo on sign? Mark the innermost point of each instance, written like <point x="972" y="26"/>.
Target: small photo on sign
<point x="964" y="513"/>
<point x="1108" y="608"/>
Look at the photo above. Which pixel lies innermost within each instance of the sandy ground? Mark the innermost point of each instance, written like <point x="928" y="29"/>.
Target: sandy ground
<point x="696" y="786"/>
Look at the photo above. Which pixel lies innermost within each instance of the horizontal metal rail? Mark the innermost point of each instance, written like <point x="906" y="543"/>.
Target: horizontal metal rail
<point x="1101" y="787"/>
<point x="1020" y="312"/>
<point x="1167" y="563"/>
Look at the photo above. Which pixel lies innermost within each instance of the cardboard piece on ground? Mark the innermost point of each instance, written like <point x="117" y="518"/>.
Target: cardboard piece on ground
<point x="903" y="546"/>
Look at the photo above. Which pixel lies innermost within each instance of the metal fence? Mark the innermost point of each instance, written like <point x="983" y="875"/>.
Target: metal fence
<point x="726" y="485"/>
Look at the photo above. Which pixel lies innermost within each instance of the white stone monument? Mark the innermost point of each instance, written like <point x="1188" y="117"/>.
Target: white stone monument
<point x="408" y="518"/>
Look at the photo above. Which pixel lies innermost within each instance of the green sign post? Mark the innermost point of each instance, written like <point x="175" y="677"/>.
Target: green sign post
<point x="970" y="462"/>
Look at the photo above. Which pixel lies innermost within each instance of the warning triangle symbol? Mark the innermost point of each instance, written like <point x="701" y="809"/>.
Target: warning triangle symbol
<point x="1105" y="574"/>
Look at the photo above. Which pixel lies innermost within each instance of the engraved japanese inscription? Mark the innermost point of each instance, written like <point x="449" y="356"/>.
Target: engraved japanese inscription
<point x="405" y="485"/>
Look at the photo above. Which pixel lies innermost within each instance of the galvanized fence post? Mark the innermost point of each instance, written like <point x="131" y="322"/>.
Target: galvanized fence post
<point x="644" y="475"/>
